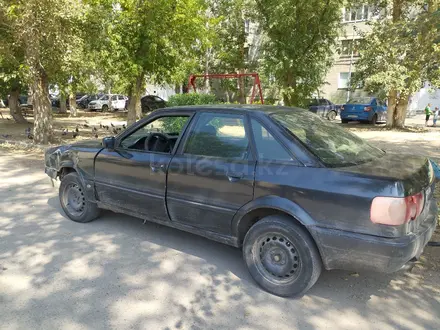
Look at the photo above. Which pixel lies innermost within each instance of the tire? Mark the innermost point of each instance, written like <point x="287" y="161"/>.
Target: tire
<point x="344" y="121"/>
<point x="73" y="201"/>
<point x="104" y="108"/>
<point x="299" y="264"/>
<point x="373" y="120"/>
<point x="331" y="115"/>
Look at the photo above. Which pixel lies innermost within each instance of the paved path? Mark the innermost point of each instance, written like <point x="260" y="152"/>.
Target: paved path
<point x="116" y="273"/>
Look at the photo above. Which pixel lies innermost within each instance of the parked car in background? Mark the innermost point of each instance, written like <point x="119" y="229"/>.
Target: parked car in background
<point x="324" y="108"/>
<point x="108" y="102"/>
<point x="26" y="108"/>
<point x="364" y="109"/>
<point x="55" y="101"/>
<point x="152" y="102"/>
<point x="83" y="102"/>
<point x="295" y="192"/>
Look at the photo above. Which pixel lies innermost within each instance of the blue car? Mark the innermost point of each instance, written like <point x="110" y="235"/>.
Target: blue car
<point x="364" y="109"/>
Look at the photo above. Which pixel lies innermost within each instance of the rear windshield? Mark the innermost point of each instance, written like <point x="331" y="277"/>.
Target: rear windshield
<point x="332" y="144"/>
<point x="360" y="100"/>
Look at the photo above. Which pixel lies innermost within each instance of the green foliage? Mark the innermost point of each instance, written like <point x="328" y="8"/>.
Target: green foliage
<point x="298" y="50"/>
<point x="191" y="99"/>
<point x="397" y="56"/>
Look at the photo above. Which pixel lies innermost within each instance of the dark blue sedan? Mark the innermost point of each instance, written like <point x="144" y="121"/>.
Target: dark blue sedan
<point x="296" y="193"/>
<point x="364" y="109"/>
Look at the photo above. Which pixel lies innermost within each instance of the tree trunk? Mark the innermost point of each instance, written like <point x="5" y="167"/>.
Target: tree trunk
<point x="43" y="130"/>
<point x="207" y="84"/>
<point x="14" y="107"/>
<point x="63" y="106"/>
<point x="391" y="109"/>
<point x="134" y="106"/>
<point x="400" y="113"/>
<point x="72" y="104"/>
<point x="289" y="93"/>
<point x="241" y="89"/>
<point x="29" y="97"/>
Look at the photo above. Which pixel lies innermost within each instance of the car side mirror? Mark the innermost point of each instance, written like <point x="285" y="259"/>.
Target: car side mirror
<point x="109" y="142"/>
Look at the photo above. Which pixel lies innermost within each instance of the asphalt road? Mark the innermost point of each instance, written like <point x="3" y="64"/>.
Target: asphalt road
<point x="116" y="273"/>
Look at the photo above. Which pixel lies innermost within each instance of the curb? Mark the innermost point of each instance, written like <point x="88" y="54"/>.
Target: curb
<point x="24" y="144"/>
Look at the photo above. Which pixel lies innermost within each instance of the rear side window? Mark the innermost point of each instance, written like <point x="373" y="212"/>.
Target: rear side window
<point x="218" y="135"/>
<point x="121" y="97"/>
<point x="268" y="147"/>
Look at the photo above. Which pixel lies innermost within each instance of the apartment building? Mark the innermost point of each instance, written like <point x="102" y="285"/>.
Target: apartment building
<point x="337" y="80"/>
<point x="336" y="87"/>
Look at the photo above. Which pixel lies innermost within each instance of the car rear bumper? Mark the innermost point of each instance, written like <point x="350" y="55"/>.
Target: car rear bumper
<point x="355" y="115"/>
<point x="352" y="251"/>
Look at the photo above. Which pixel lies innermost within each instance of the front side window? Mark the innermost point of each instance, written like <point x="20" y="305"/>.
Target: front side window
<point x="160" y="135"/>
<point x="218" y="135"/>
<point x="121" y="97"/>
<point x="104" y="98"/>
<point x="268" y="148"/>
<point x="332" y="144"/>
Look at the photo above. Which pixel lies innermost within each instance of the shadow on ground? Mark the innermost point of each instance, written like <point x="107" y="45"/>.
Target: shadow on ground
<point x="117" y="273"/>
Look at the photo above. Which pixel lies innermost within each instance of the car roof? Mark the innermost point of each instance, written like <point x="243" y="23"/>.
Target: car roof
<point x="249" y="108"/>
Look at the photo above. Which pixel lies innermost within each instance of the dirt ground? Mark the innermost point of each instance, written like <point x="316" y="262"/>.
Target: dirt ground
<point x="116" y="273"/>
<point x="85" y="122"/>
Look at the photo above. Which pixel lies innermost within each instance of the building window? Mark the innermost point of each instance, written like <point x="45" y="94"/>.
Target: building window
<point x="343" y="80"/>
<point x="347" y="46"/>
<point x="247" y="25"/>
<point x="356" y="14"/>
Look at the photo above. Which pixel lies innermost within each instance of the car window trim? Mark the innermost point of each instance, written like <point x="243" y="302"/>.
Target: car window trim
<point x="293" y="161"/>
<point x="251" y="154"/>
<point x="142" y="124"/>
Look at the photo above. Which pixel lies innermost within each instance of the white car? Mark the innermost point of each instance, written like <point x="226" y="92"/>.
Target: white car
<point x="103" y="103"/>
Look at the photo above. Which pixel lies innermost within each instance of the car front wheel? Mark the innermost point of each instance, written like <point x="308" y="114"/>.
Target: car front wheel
<point x="73" y="200"/>
<point x="281" y="256"/>
<point x="344" y="121"/>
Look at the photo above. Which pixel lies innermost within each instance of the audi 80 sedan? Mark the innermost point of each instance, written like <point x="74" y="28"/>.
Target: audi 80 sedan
<point x="296" y="193"/>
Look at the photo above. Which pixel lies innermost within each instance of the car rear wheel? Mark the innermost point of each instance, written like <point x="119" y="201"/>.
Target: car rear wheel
<point x="331" y="115"/>
<point x="344" y="121"/>
<point x="281" y="256"/>
<point x="105" y="108"/>
<point x="373" y="120"/>
<point x="74" y="202"/>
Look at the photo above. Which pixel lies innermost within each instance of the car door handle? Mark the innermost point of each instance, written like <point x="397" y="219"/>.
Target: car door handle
<point x="157" y="168"/>
<point x="234" y="177"/>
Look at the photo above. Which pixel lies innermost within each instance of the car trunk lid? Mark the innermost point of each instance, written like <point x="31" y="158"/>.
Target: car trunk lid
<point x="413" y="174"/>
<point x="354" y="108"/>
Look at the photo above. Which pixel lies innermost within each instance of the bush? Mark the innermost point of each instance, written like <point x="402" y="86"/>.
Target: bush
<point x="191" y="99"/>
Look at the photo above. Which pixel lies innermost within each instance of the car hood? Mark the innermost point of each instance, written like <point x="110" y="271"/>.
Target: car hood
<point x="55" y="157"/>
<point x="413" y="172"/>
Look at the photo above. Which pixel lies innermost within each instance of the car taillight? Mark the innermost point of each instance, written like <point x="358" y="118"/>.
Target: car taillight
<point x="366" y="109"/>
<point x="395" y="211"/>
